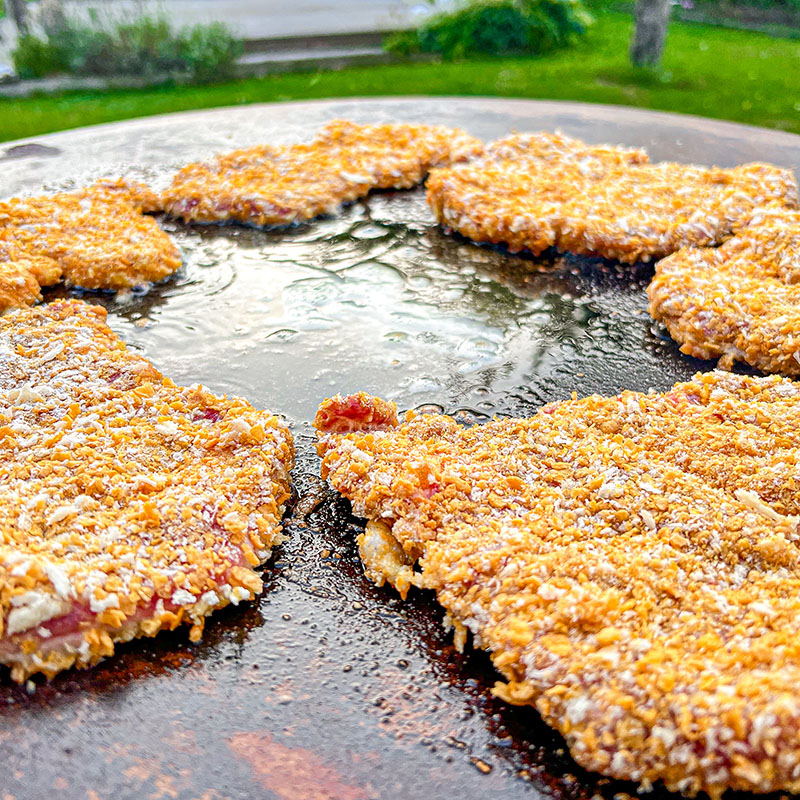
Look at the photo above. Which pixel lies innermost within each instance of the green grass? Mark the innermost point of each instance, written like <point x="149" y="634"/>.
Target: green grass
<point x="714" y="72"/>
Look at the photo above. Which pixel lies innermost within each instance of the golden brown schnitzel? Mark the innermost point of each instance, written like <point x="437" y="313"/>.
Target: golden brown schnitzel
<point x="631" y="563"/>
<point x="128" y="505"/>
<point x="536" y="191"/>
<point x="279" y="185"/>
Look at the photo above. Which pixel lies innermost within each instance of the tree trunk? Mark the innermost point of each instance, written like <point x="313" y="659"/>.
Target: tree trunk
<point x="19" y="13"/>
<point x="652" y="17"/>
<point x="52" y="17"/>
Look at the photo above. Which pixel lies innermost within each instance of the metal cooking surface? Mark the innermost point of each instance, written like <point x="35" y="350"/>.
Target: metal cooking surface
<point x="327" y="687"/>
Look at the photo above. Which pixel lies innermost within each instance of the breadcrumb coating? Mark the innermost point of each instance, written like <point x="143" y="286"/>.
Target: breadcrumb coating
<point x="129" y="505"/>
<point x="23" y="275"/>
<point x="536" y="191"/>
<point x="557" y="150"/>
<point x="737" y="302"/>
<point x="96" y="238"/>
<point x="279" y="185"/>
<point x="18" y="284"/>
<point x="631" y="563"/>
<point x="137" y="194"/>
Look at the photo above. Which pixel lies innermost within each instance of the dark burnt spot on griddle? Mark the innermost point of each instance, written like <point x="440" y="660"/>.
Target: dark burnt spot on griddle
<point x="30" y="150"/>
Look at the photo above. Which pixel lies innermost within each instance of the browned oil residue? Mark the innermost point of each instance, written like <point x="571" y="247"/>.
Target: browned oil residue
<point x="293" y="773"/>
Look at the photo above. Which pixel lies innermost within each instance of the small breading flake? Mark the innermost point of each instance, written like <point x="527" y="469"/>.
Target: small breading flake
<point x="95" y="238"/>
<point x="536" y="191"/>
<point x="630" y="562"/>
<point x="737" y="302"/>
<point x="279" y="185"/>
<point x="118" y="493"/>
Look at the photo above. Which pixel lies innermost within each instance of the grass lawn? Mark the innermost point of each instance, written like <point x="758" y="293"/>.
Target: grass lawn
<point x="715" y="72"/>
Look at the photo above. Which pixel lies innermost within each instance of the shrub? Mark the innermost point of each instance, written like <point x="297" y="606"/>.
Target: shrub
<point x="142" y="46"/>
<point x="34" y="58"/>
<point x="209" y="51"/>
<point x="497" y="27"/>
<point x="145" y="45"/>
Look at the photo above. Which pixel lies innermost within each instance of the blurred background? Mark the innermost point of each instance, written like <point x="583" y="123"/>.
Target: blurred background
<point x="66" y="64"/>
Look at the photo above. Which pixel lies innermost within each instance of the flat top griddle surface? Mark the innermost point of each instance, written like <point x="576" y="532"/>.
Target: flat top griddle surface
<point x="327" y="687"/>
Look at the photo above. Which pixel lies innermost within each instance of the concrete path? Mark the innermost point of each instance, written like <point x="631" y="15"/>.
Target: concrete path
<point x="263" y="19"/>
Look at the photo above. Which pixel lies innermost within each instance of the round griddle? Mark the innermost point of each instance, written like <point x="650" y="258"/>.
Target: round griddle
<point x="327" y="687"/>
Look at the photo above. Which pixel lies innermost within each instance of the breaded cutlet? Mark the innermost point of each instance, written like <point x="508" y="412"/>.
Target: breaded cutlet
<point x="631" y="564"/>
<point x="94" y="238"/>
<point x="737" y="302"/>
<point x="282" y="184"/>
<point x="128" y="505"/>
<point x="536" y="191"/>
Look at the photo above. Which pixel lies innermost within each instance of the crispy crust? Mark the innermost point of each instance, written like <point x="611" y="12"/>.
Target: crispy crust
<point x="139" y="195"/>
<point x="543" y="190"/>
<point x="738" y="302"/>
<point x="631" y="564"/>
<point x="96" y="238"/>
<point x="128" y="505"/>
<point x="18" y="284"/>
<point x="557" y="149"/>
<point x="271" y="185"/>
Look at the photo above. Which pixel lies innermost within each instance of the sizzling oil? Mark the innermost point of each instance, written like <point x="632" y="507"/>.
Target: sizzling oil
<point x="380" y="299"/>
